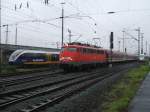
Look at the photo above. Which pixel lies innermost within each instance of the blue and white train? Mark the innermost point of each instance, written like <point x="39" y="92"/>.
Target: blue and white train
<point x="33" y="57"/>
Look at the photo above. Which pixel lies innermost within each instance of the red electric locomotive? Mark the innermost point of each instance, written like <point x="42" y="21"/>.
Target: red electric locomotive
<point x="77" y="55"/>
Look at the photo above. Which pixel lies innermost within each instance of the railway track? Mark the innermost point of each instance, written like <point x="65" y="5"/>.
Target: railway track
<point x="54" y="92"/>
<point x="28" y="78"/>
<point x="25" y="72"/>
<point x="38" y="88"/>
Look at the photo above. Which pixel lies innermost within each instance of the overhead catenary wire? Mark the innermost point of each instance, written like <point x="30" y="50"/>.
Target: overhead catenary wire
<point x="18" y="12"/>
<point x="43" y="21"/>
<point x="84" y="15"/>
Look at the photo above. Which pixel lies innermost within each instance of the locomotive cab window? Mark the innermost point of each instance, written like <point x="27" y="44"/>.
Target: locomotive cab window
<point x="72" y="49"/>
<point x="69" y="49"/>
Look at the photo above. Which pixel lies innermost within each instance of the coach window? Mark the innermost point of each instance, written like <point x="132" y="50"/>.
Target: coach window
<point x="26" y="55"/>
<point x="97" y="51"/>
<point x="101" y="52"/>
<point x="40" y="55"/>
<point x="54" y="57"/>
<point x="90" y="51"/>
<point x="87" y="50"/>
<point x="93" y="51"/>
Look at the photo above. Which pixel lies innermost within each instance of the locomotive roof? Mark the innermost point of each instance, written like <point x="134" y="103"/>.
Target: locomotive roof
<point x="95" y="47"/>
<point x="82" y="46"/>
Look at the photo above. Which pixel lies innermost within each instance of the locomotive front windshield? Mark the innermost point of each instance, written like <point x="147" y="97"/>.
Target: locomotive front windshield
<point x="15" y="54"/>
<point x="70" y="49"/>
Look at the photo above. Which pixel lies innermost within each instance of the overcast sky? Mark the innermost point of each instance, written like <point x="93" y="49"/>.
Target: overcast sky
<point x="87" y="19"/>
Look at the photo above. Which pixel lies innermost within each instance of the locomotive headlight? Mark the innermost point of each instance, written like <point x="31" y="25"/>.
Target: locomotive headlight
<point x="62" y="58"/>
<point x="65" y="58"/>
<point x="69" y="58"/>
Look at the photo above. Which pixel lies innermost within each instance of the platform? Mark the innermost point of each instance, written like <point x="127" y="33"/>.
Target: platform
<point x="141" y="102"/>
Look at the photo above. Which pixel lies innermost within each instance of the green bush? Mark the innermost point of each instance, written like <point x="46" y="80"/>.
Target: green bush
<point x="8" y="69"/>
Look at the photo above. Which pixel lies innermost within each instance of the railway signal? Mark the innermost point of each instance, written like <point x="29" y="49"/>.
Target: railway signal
<point x="111" y="47"/>
<point x="111" y="40"/>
